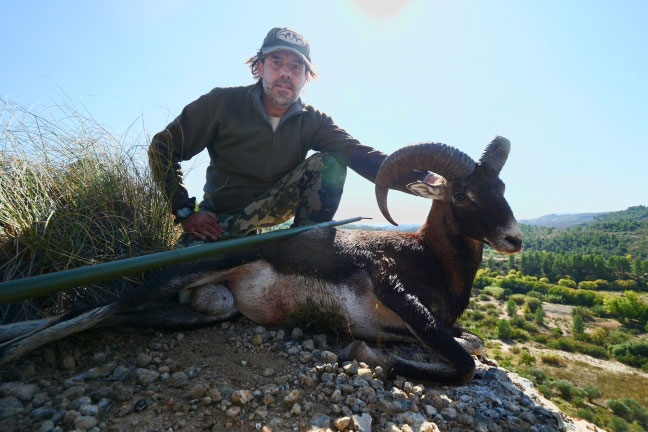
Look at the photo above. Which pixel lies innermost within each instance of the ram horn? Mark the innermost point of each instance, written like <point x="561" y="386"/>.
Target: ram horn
<point x="439" y="158"/>
<point x="496" y="153"/>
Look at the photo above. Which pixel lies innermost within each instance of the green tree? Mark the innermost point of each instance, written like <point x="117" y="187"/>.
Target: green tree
<point x="578" y="324"/>
<point x="511" y="263"/>
<point x="539" y="315"/>
<point x="504" y="329"/>
<point x="511" y="308"/>
<point x="491" y="263"/>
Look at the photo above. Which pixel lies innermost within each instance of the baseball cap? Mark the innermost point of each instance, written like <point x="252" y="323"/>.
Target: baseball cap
<point x="282" y="38"/>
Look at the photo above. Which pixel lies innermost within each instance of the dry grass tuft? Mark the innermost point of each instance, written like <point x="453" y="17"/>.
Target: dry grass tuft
<point x="72" y="194"/>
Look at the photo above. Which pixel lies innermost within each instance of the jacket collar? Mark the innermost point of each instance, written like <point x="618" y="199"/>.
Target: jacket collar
<point x="255" y="96"/>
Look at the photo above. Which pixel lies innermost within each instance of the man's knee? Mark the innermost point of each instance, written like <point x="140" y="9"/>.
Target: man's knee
<point x="331" y="169"/>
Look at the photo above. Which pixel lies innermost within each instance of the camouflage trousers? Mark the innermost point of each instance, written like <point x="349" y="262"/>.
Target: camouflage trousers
<point x="310" y="193"/>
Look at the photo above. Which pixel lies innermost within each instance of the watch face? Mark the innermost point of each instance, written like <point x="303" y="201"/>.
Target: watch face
<point x="183" y="212"/>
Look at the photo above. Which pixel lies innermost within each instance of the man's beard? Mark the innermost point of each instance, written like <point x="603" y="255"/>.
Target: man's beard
<point x="275" y="97"/>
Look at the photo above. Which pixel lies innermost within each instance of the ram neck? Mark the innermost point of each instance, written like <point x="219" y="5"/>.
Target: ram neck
<point x="460" y="256"/>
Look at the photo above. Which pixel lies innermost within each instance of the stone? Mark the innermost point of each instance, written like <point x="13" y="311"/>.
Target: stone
<point x="268" y="372"/>
<point x="197" y="391"/>
<point x="42" y="413"/>
<point x="233" y="412"/>
<point x="122" y="393"/>
<point x="215" y="394"/>
<point x="296" y="333"/>
<point x="296" y="409"/>
<point x="291" y="397"/>
<point x="146" y="376"/>
<point x="329" y="357"/>
<point x="22" y="392"/>
<point x="449" y="413"/>
<point x="351" y="368"/>
<point x="341" y="423"/>
<point x="362" y="423"/>
<point x="257" y="340"/>
<point x="308" y="345"/>
<point x="178" y="379"/>
<point x="143" y="360"/>
<point x="119" y="372"/>
<point x="46" y="426"/>
<point x="322" y="421"/>
<point x="100" y="371"/>
<point x="85" y="422"/>
<point x="242" y="397"/>
<point x="365" y="373"/>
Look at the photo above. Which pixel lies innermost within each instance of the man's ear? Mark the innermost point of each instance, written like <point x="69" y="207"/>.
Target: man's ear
<point x="426" y="190"/>
<point x="259" y="67"/>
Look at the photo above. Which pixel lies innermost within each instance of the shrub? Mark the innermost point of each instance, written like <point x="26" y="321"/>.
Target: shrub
<point x="551" y="359"/>
<point x="586" y="414"/>
<point x="620" y="409"/>
<point x="592" y="392"/>
<point x="565" y="388"/>
<point x="519" y="299"/>
<point x="546" y="390"/>
<point x="619" y="425"/>
<point x="633" y="353"/>
<point x="589" y="285"/>
<point x="536" y="374"/>
<point x="532" y="304"/>
<point x="536" y="294"/>
<point x="567" y="283"/>
<point x="556" y="331"/>
<point x="639" y="412"/>
<point x="526" y="359"/>
<point x="519" y="335"/>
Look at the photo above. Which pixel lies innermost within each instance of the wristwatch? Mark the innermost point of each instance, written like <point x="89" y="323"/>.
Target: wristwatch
<point x="184" y="212"/>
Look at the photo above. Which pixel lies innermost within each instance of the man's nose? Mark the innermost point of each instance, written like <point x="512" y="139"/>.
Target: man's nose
<point x="285" y="70"/>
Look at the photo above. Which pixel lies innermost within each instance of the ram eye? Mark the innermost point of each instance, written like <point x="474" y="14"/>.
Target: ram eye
<point x="459" y="197"/>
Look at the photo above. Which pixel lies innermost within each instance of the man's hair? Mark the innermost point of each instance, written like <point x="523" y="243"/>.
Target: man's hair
<point x="259" y="57"/>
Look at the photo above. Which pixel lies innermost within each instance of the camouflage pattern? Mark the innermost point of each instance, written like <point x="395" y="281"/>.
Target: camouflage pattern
<point x="310" y="193"/>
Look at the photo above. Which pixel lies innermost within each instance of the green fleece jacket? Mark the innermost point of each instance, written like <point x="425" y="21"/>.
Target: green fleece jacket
<point x="247" y="157"/>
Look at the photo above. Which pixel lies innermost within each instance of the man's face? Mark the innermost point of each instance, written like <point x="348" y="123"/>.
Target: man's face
<point x="283" y="74"/>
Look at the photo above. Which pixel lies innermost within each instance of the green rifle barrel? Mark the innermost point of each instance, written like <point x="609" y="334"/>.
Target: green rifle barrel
<point x="35" y="286"/>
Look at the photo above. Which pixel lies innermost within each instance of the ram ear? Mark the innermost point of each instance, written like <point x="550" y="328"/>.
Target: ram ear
<point x="426" y="190"/>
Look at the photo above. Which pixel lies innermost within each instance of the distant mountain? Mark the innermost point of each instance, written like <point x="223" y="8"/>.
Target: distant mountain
<point x="609" y="234"/>
<point x="562" y="220"/>
<point x="403" y="227"/>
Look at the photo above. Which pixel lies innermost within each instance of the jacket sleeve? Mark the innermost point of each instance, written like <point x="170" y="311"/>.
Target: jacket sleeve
<point x="182" y="139"/>
<point x="364" y="160"/>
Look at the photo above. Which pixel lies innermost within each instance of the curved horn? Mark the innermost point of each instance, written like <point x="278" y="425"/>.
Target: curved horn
<point x="496" y="153"/>
<point x="439" y="158"/>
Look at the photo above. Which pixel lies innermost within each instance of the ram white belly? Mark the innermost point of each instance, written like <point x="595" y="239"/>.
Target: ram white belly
<point x="269" y="297"/>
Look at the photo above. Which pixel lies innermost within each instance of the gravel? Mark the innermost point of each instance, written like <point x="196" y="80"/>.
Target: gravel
<point x="241" y="376"/>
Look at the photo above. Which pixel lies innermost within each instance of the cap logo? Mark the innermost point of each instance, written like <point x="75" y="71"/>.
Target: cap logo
<point x="290" y="37"/>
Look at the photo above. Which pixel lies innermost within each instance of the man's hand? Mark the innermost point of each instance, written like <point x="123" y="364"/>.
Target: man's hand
<point x="202" y="225"/>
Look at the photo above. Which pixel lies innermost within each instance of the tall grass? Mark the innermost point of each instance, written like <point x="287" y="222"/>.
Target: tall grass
<point x="73" y="194"/>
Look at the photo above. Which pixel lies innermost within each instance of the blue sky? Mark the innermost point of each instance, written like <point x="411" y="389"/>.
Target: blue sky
<point x="566" y="82"/>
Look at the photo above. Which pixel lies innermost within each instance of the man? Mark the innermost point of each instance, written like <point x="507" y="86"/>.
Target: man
<point x="257" y="138"/>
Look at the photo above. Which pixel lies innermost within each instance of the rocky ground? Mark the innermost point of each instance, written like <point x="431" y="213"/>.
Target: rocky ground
<point x="239" y="376"/>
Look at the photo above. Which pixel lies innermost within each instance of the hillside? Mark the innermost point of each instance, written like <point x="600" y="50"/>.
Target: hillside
<point x="561" y="220"/>
<point x="611" y="234"/>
